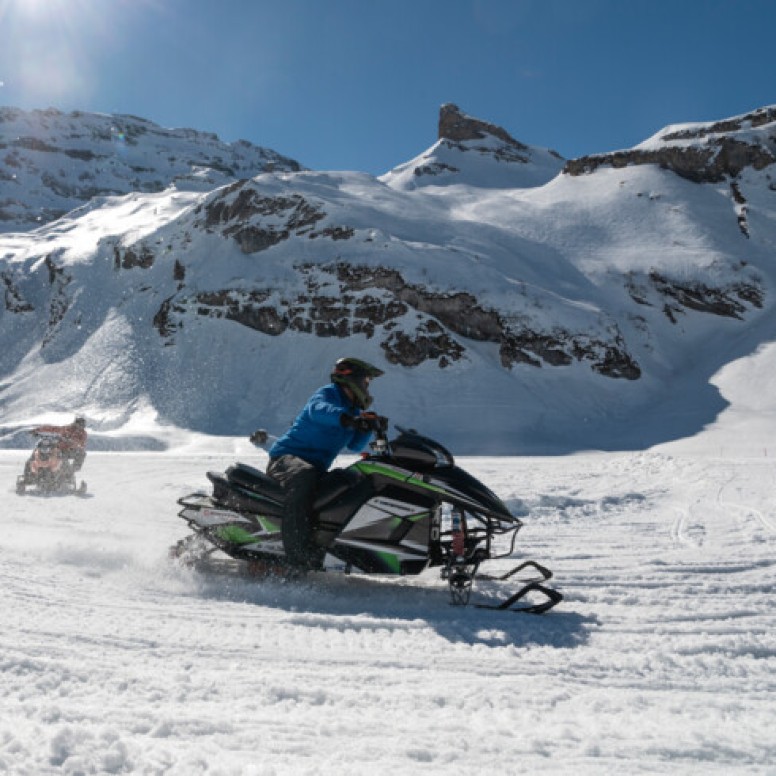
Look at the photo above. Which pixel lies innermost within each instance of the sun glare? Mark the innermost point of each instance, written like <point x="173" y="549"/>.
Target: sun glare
<point x="56" y="53"/>
<point x="35" y="9"/>
<point x="51" y="47"/>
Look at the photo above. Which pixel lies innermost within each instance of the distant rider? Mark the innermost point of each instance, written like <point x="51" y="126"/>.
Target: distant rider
<point x="72" y="440"/>
<point x="334" y="419"/>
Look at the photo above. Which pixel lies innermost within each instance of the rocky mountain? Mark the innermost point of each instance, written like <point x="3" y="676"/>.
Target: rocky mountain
<point x="519" y="302"/>
<point x="703" y="153"/>
<point x="473" y="152"/>
<point x="52" y="162"/>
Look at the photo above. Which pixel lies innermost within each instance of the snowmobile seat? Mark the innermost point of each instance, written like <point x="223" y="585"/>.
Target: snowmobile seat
<point x="232" y="495"/>
<point x="251" y="478"/>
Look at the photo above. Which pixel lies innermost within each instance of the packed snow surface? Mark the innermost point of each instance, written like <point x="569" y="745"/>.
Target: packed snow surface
<point x="660" y="660"/>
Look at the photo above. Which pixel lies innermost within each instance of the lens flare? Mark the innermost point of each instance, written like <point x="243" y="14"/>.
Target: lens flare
<point x="59" y="52"/>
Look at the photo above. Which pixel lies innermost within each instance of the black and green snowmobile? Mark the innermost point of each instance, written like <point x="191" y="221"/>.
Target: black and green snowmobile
<point x="399" y="510"/>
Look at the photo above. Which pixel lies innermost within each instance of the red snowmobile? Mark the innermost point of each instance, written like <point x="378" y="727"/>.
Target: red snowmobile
<point x="49" y="469"/>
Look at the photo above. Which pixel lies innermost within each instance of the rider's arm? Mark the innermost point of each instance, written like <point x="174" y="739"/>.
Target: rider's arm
<point x="359" y="441"/>
<point x="326" y="407"/>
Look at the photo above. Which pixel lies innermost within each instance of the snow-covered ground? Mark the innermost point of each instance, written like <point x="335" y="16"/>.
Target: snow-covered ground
<point x="661" y="659"/>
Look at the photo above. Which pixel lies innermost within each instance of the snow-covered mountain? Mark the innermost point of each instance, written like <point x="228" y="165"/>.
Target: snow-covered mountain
<point x="475" y="153"/>
<point x="52" y="162"/>
<point x="517" y="301"/>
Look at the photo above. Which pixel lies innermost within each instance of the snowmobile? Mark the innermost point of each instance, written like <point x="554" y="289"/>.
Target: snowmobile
<point x="48" y="469"/>
<point x="398" y="510"/>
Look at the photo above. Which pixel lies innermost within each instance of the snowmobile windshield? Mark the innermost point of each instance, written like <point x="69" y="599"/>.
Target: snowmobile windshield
<point x="457" y="480"/>
<point x="412" y="449"/>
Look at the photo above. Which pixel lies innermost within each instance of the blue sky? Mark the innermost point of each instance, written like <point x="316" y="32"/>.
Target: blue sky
<point x="357" y="84"/>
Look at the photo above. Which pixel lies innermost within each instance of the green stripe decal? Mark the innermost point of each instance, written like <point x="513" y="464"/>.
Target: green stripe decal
<point x="367" y="467"/>
<point x="236" y="535"/>
<point x="268" y="525"/>
<point x="391" y="561"/>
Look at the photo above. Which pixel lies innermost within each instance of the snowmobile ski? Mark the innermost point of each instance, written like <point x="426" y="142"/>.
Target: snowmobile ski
<point x="553" y="597"/>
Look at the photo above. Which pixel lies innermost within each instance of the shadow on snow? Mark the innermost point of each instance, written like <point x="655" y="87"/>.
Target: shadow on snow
<point x="358" y="602"/>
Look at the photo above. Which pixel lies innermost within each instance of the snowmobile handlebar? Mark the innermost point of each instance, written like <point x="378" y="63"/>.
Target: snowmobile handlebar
<point x="379" y="423"/>
<point x="380" y="427"/>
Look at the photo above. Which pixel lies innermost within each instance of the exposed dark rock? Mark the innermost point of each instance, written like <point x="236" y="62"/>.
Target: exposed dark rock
<point x="459" y="312"/>
<point x="742" y="209"/>
<point x="241" y="201"/>
<point x="251" y="239"/>
<point x="60" y="302"/>
<point x="378" y="311"/>
<point x="55" y="274"/>
<point x="700" y="165"/>
<point x="675" y="297"/>
<point x="755" y="119"/>
<point x="14" y="301"/>
<point x="457" y="126"/>
<point x="436" y="168"/>
<point x="129" y="258"/>
<point x="84" y="155"/>
<point x="334" y="233"/>
<point x="373" y="301"/>
<point x="617" y="363"/>
<point x="717" y="156"/>
<point x="427" y="344"/>
<point x="31" y="144"/>
<point x="258" y="222"/>
<point x="459" y="131"/>
<point x="162" y="322"/>
<point x="727" y="302"/>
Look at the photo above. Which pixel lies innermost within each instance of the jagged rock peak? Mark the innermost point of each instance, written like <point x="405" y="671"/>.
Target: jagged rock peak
<point x="457" y="126"/>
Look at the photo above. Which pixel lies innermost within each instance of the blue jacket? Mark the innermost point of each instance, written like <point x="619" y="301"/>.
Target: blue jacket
<point x="316" y="435"/>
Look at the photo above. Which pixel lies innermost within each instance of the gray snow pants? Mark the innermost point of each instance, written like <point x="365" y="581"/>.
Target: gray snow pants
<point x="299" y="480"/>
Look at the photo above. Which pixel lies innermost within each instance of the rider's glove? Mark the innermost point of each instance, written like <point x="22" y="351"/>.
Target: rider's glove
<point x="258" y="437"/>
<point x="348" y="421"/>
<point x="365" y="422"/>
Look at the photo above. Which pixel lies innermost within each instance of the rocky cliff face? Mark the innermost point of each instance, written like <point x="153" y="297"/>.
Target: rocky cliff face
<point x="703" y="153"/>
<point x="458" y="127"/>
<point x="412" y="324"/>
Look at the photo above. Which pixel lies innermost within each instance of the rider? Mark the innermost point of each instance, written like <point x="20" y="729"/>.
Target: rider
<point x="335" y="418"/>
<point x="72" y="439"/>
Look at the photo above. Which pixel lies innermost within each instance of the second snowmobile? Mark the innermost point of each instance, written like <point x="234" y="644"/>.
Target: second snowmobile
<point x="49" y="470"/>
<point x="399" y="510"/>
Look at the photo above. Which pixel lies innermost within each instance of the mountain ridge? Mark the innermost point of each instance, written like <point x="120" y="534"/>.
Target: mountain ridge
<point x="52" y="162"/>
<point x="516" y="305"/>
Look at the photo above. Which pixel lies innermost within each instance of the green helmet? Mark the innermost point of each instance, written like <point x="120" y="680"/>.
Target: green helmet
<point x="355" y="375"/>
